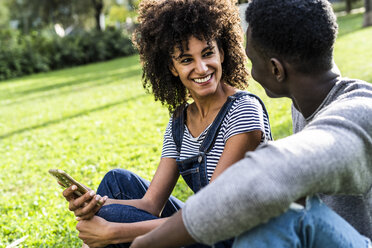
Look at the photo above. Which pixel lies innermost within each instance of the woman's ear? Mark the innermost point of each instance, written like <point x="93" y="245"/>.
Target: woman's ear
<point x="277" y="69"/>
<point x="173" y="70"/>
<point x="222" y="55"/>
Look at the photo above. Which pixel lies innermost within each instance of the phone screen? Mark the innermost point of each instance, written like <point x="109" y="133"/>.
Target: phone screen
<point x="66" y="181"/>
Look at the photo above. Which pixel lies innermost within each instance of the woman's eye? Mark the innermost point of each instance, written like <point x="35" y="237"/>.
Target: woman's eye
<point x="207" y="54"/>
<point x="187" y="60"/>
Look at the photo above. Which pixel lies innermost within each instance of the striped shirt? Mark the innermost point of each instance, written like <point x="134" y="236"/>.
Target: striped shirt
<point x="245" y="115"/>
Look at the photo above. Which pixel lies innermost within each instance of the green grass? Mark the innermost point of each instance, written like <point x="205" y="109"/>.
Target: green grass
<point x="353" y="53"/>
<point x="341" y="6"/>
<point x="90" y="119"/>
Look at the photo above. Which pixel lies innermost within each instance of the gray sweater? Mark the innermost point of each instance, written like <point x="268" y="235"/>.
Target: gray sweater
<point x="330" y="153"/>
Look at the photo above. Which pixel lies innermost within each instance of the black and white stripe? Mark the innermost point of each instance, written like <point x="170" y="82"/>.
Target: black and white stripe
<point x="245" y="115"/>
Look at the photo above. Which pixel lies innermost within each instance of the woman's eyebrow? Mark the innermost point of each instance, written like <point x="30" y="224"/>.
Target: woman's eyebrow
<point x="182" y="55"/>
<point x="208" y="48"/>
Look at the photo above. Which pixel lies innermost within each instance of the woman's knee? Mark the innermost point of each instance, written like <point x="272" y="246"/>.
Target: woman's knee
<point x="118" y="175"/>
<point x="123" y="184"/>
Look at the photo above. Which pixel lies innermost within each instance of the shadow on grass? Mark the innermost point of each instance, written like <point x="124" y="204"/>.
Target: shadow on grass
<point x="77" y="82"/>
<point x="82" y="113"/>
<point x="90" y="85"/>
<point x="349" y="24"/>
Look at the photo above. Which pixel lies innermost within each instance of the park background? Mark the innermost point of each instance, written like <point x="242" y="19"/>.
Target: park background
<point x="71" y="97"/>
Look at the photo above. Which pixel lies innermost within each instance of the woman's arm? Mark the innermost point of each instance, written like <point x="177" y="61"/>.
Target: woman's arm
<point x="160" y="188"/>
<point x="235" y="148"/>
<point x="153" y="202"/>
<point x="98" y="232"/>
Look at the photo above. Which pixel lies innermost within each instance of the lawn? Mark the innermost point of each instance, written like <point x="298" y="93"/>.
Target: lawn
<point x="90" y="119"/>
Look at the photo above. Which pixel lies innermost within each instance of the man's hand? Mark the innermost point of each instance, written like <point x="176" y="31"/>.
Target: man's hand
<point x="85" y="206"/>
<point x="165" y="235"/>
<point x="94" y="232"/>
<point x="140" y="242"/>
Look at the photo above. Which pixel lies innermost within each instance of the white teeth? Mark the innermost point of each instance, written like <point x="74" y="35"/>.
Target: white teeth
<point x="203" y="80"/>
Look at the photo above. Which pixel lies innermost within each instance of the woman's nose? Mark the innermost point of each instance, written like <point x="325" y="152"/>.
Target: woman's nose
<point x="201" y="67"/>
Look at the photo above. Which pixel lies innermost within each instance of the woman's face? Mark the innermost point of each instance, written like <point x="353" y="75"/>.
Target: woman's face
<point x="199" y="67"/>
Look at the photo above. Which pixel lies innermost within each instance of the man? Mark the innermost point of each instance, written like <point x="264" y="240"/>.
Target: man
<point x="261" y="198"/>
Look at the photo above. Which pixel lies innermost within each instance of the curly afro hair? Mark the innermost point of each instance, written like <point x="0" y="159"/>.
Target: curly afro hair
<point x="166" y="24"/>
<point x="302" y="32"/>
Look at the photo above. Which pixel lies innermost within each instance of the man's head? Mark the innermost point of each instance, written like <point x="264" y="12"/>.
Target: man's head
<point x="299" y="32"/>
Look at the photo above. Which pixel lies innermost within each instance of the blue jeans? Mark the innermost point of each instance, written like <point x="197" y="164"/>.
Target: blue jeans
<point x="125" y="185"/>
<point x="315" y="226"/>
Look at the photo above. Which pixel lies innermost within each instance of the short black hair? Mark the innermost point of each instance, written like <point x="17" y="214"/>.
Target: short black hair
<point x="302" y="32"/>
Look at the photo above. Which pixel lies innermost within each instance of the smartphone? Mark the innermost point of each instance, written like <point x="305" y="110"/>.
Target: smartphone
<point x="65" y="180"/>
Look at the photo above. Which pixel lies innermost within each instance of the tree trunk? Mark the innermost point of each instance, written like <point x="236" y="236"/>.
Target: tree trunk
<point x="348" y="6"/>
<point x="130" y="5"/>
<point x="368" y="14"/>
<point x="98" y="7"/>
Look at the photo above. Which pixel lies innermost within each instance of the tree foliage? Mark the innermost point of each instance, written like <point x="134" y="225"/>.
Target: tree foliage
<point x="37" y="14"/>
<point x="4" y="14"/>
<point x="22" y="54"/>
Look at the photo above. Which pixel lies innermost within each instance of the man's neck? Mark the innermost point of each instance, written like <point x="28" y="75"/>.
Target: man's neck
<point x="308" y="92"/>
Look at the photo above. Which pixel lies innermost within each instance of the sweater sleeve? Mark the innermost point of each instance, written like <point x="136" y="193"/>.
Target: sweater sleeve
<point x="331" y="155"/>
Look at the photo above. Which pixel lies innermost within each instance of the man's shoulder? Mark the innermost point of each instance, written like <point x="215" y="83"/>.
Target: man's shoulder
<point x="349" y="88"/>
<point x="351" y="92"/>
<point x="352" y="104"/>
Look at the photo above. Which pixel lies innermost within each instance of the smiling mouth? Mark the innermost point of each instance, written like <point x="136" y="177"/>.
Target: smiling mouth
<point x="202" y="80"/>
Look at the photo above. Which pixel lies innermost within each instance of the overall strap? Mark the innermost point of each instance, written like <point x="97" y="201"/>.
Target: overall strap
<point x="210" y="137"/>
<point x="264" y="109"/>
<point x="178" y="125"/>
<point x="179" y="117"/>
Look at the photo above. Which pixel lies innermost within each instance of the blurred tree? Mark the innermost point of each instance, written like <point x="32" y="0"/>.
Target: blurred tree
<point x="4" y="14"/>
<point x="37" y="14"/>
<point x="98" y="8"/>
<point x="122" y="14"/>
<point x="349" y="5"/>
<point x="368" y="13"/>
<point x="118" y="14"/>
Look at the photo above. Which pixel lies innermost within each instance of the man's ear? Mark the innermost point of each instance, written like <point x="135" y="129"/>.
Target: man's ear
<point x="173" y="70"/>
<point x="277" y="69"/>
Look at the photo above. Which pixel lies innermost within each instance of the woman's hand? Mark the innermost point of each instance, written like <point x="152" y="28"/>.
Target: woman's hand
<point x="94" y="232"/>
<point x="85" y="206"/>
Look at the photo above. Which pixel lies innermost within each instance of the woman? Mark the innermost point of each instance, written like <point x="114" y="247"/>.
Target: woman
<point x="193" y="61"/>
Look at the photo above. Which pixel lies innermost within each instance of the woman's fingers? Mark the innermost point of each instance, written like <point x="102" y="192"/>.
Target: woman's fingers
<point x="89" y="210"/>
<point x="69" y="193"/>
<point x="79" y="202"/>
<point x="85" y="206"/>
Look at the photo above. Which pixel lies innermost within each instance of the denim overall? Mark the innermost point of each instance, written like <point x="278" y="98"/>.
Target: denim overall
<point x="125" y="185"/>
<point x="194" y="169"/>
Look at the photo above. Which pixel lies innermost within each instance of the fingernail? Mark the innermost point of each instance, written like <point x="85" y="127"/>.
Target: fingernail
<point x="91" y="193"/>
<point x="98" y="197"/>
<point x="78" y="218"/>
<point x="103" y="199"/>
<point x="74" y="187"/>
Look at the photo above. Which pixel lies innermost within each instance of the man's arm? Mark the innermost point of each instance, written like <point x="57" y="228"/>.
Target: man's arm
<point x="160" y="238"/>
<point x="332" y="155"/>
